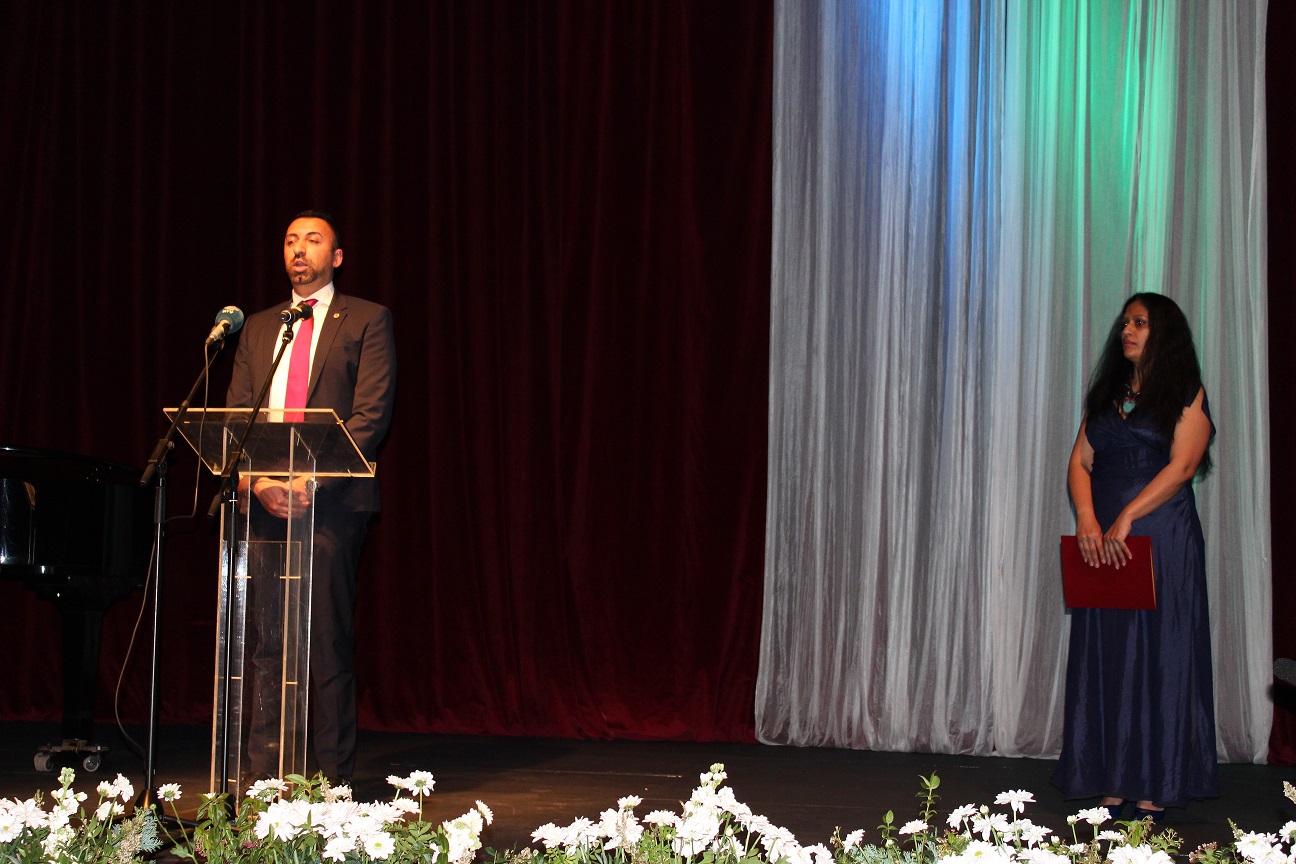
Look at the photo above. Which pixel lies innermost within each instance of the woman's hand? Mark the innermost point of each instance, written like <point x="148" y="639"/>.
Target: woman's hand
<point x="1089" y="536"/>
<point x="1115" y="552"/>
<point x="1090" y="539"/>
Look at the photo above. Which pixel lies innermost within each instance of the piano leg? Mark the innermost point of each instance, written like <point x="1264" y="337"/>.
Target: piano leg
<point x="82" y="629"/>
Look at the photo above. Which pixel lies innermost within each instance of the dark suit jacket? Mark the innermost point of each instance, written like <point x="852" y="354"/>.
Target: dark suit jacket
<point x="353" y="372"/>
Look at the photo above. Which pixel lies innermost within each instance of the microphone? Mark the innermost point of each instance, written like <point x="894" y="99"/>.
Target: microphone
<point x="228" y="320"/>
<point x="296" y="312"/>
<point x="1285" y="670"/>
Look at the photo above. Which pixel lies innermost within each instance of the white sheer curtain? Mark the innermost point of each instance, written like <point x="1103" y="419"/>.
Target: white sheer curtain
<point x="964" y="194"/>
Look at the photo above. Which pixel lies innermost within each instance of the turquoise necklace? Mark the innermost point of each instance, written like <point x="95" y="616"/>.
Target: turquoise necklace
<point x="1131" y="400"/>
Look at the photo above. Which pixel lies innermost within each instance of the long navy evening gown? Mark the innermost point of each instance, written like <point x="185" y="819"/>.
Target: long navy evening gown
<point x="1140" y="713"/>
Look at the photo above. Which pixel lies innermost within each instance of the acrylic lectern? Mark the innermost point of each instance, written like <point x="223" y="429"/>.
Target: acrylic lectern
<point x="263" y="608"/>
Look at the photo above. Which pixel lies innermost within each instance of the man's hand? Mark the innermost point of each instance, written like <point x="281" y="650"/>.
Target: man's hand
<point x="282" y="500"/>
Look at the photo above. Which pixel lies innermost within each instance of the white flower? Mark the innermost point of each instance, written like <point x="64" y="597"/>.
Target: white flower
<point x="485" y="812"/>
<point x="548" y="834"/>
<point x="406" y="805"/>
<point x="398" y="782"/>
<point x="378" y="845"/>
<point x="108" y="810"/>
<point x="58" y="819"/>
<point x="1288" y="831"/>
<point x="778" y="842"/>
<point x="463" y="837"/>
<point x="695" y="832"/>
<point x="1030" y="833"/>
<point x="382" y="811"/>
<point x="1041" y="856"/>
<point x="1273" y="856"/>
<point x="981" y="852"/>
<point x="11" y="825"/>
<point x="621" y="828"/>
<point x="336" y="793"/>
<point x="169" y="792"/>
<point x="661" y="817"/>
<point x="55" y="841"/>
<point x="1137" y="855"/>
<point x="820" y="854"/>
<point x="1257" y="847"/>
<point x="991" y="823"/>
<point x="914" y="826"/>
<point x="122" y="788"/>
<point x="332" y="819"/>
<point x="1093" y="815"/>
<point x="1017" y="799"/>
<point x="67" y="799"/>
<point x="727" y="801"/>
<point x="264" y="790"/>
<point x="960" y="814"/>
<point x="715" y="776"/>
<point x="1111" y="835"/>
<point x="580" y="833"/>
<point x="852" y="839"/>
<point x="629" y="802"/>
<point x="283" y="819"/>
<point x="31" y="815"/>
<point x="725" y="848"/>
<point x="420" y="783"/>
<point x="337" y="848"/>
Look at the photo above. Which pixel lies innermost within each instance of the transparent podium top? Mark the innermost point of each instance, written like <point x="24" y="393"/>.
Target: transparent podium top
<point x="276" y="445"/>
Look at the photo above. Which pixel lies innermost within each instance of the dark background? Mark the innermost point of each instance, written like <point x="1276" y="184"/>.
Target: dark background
<point x="568" y="207"/>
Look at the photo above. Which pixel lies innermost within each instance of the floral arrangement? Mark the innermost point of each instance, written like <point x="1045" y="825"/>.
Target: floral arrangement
<point x="295" y="819"/>
<point x="278" y="821"/>
<point x="66" y="834"/>
<point x="715" y="828"/>
<point x="301" y="820"/>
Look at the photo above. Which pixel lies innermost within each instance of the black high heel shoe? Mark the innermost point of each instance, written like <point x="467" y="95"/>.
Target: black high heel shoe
<point x="1114" y="811"/>
<point x="1157" y="815"/>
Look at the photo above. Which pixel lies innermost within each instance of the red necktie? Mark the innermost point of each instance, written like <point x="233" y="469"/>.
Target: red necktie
<point x="299" y="368"/>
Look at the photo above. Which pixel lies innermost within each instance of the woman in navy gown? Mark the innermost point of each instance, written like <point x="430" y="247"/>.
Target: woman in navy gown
<point x="1140" y="717"/>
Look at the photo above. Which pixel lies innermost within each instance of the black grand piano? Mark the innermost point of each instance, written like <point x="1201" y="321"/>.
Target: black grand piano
<point x="76" y="531"/>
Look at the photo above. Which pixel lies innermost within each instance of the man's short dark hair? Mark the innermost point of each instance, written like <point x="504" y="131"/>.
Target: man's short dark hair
<point x="323" y="217"/>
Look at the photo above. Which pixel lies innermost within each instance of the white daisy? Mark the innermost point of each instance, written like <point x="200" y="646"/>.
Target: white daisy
<point x="1017" y="799"/>
<point x="960" y="814"/>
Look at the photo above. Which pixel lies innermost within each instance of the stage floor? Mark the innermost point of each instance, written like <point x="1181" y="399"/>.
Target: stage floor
<point x="528" y="782"/>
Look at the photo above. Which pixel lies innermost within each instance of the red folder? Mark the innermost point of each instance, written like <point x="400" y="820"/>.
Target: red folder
<point x="1104" y="587"/>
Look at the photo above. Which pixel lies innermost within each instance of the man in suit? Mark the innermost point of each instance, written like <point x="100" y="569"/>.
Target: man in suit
<point x="348" y="348"/>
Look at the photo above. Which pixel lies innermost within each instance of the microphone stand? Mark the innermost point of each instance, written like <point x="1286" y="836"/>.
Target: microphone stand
<point x="157" y="467"/>
<point x="227" y="497"/>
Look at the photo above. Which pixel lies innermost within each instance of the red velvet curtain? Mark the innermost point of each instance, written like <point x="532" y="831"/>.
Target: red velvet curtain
<point x="1280" y="83"/>
<point x="568" y="207"/>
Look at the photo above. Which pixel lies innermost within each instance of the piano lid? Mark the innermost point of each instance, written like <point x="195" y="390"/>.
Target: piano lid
<point x="25" y="462"/>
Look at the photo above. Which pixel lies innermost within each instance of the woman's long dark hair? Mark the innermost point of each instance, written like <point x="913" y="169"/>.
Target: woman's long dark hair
<point x="1171" y="373"/>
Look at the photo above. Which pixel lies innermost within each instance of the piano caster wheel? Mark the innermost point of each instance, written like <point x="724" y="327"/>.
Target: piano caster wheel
<point x="44" y="762"/>
<point x="92" y="762"/>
